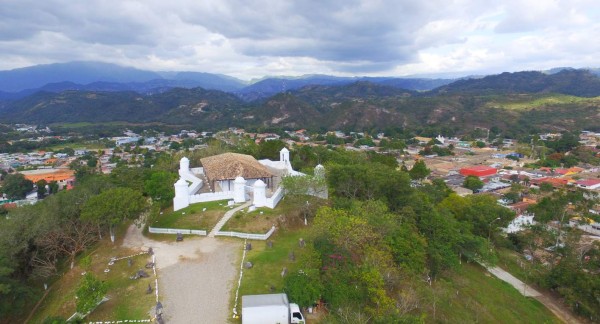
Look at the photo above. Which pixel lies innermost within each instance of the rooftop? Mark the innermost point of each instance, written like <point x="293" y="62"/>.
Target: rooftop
<point x="229" y="166"/>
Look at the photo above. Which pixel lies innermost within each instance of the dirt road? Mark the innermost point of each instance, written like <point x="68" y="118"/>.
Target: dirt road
<point x="195" y="276"/>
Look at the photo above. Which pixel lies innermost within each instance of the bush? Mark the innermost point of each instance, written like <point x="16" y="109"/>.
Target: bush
<point x="89" y="293"/>
<point x="302" y="289"/>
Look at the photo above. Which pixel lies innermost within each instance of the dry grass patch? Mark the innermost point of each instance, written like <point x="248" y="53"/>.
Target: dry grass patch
<point x="289" y="213"/>
<point x="202" y="216"/>
<point x="128" y="298"/>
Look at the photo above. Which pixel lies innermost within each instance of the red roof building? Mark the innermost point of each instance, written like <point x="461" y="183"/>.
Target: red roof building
<point x="519" y="207"/>
<point x="555" y="182"/>
<point x="478" y="171"/>
<point x="589" y="183"/>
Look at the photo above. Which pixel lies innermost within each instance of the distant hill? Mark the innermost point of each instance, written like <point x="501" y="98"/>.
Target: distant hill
<point x="210" y="81"/>
<point x="95" y="76"/>
<point x="76" y="72"/>
<point x="178" y="106"/>
<point x="581" y="83"/>
<point x="270" y="86"/>
<point x="519" y="103"/>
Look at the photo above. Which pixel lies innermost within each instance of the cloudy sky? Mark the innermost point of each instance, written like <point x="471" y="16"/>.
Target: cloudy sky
<point x="254" y="38"/>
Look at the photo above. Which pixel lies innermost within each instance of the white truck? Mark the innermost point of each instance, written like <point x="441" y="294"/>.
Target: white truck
<point x="270" y="309"/>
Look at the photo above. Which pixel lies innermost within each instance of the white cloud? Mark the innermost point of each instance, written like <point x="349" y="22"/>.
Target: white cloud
<point x="255" y="38"/>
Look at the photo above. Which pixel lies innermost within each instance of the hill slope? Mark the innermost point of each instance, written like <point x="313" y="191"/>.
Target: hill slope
<point x="361" y="105"/>
<point x="581" y="83"/>
<point x="180" y="106"/>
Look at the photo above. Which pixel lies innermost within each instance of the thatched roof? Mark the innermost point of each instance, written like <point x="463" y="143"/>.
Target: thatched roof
<point x="232" y="165"/>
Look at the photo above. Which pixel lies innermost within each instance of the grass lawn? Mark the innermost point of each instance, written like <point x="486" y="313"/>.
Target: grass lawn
<point x="527" y="102"/>
<point x="193" y="216"/>
<point x="261" y="220"/>
<point x="87" y="145"/>
<point x="128" y="298"/>
<point x="86" y="124"/>
<point x="471" y="294"/>
<point x="267" y="265"/>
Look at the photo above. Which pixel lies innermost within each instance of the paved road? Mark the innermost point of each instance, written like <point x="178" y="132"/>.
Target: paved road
<point x="524" y="289"/>
<point x="558" y="310"/>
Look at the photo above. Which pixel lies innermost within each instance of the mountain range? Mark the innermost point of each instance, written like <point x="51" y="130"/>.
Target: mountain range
<point x="518" y="102"/>
<point x="95" y="76"/>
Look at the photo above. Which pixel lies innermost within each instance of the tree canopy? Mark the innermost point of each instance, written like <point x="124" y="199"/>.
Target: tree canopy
<point x="113" y="206"/>
<point x="419" y="171"/>
<point x="473" y="183"/>
<point x="15" y="186"/>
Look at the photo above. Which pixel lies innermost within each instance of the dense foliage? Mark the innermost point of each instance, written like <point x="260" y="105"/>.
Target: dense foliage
<point x="15" y="186"/>
<point x="38" y="241"/>
<point x="382" y="231"/>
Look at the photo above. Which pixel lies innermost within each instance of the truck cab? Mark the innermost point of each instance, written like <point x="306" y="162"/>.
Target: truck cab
<point x="295" y="314"/>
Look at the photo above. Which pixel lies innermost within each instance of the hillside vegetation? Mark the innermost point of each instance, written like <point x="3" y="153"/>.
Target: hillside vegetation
<point x="522" y="102"/>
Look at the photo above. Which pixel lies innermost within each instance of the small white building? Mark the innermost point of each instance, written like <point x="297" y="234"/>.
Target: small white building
<point x="519" y="223"/>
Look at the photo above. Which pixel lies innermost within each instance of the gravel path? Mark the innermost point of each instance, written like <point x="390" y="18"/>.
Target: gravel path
<point x="226" y="217"/>
<point x="197" y="290"/>
<point x="196" y="276"/>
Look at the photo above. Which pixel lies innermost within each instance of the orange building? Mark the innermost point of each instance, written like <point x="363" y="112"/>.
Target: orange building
<point x="64" y="177"/>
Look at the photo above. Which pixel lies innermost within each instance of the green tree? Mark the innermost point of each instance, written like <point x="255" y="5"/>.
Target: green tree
<point x="15" y="186"/>
<point x="546" y="186"/>
<point x="160" y="187"/>
<point x="481" y="213"/>
<point x="270" y="149"/>
<point x="303" y="185"/>
<point x="175" y="146"/>
<point x="53" y="185"/>
<point x="92" y="162"/>
<point x="303" y="289"/>
<point x="334" y="140"/>
<point x="473" y="183"/>
<point x="89" y="293"/>
<point x="419" y="171"/>
<point x="512" y="196"/>
<point x="113" y="206"/>
<point x="41" y="188"/>
<point x="409" y="248"/>
<point x="387" y="159"/>
<point x="130" y="177"/>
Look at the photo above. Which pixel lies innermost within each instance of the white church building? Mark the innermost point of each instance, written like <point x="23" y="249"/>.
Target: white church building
<point x="233" y="176"/>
